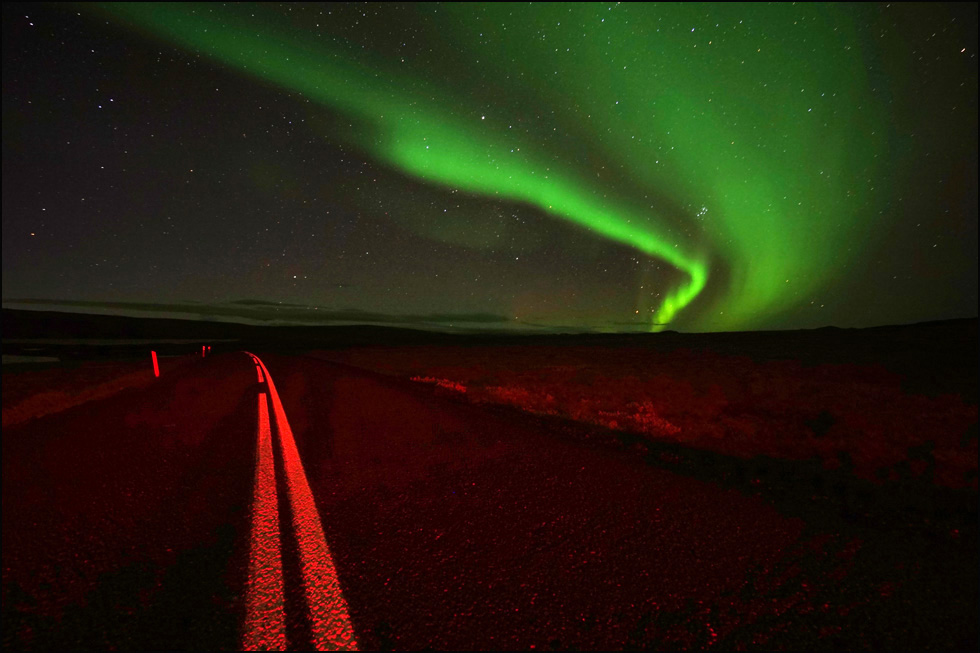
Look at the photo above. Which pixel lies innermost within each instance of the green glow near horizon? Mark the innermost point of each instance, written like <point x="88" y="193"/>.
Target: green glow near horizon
<point x="765" y="136"/>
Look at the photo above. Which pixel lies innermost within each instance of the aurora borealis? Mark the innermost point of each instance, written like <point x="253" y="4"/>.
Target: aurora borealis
<point x="599" y="166"/>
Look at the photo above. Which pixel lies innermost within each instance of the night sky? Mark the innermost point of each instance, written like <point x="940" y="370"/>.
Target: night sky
<point x="623" y="167"/>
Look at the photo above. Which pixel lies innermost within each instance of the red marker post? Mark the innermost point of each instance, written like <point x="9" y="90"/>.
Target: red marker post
<point x="156" y="367"/>
<point x="202" y="351"/>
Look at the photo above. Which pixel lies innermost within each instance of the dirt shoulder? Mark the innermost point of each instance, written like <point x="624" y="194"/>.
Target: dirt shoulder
<point x="857" y="416"/>
<point x="32" y="393"/>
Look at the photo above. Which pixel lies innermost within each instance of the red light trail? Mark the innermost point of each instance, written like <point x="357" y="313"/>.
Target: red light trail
<point x="265" y="621"/>
<point x="330" y="622"/>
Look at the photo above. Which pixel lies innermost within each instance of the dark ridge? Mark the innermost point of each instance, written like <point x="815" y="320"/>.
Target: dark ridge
<point x="936" y="357"/>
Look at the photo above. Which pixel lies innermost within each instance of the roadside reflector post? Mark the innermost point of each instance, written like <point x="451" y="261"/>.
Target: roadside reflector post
<point x="202" y="351"/>
<point x="156" y="367"/>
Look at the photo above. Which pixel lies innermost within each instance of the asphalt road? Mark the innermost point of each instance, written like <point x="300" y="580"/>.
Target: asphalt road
<point x="405" y="518"/>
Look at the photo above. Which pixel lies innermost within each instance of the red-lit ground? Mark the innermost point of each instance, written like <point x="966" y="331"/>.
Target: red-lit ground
<point x="127" y="523"/>
<point x="731" y="405"/>
<point x="31" y="394"/>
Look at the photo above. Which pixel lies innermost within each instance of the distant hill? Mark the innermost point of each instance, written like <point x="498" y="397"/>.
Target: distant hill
<point x="53" y="325"/>
<point x="941" y="341"/>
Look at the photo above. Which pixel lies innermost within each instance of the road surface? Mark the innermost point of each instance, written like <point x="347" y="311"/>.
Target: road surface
<point x="278" y="502"/>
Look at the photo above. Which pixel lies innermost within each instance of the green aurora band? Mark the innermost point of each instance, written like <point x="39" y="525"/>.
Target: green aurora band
<point x="771" y="128"/>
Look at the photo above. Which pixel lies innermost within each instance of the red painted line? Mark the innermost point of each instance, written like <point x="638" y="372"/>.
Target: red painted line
<point x="259" y="370"/>
<point x="329" y="617"/>
<point x="156" y="367"/>
<point x="265" y="619"/>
